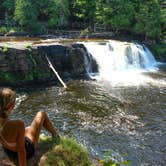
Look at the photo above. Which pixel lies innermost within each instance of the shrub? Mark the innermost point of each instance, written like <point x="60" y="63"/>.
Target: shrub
<point x="67" y="152"/>
<point x="113" y="160"/>
<point x="7" y="76"/>
<point x="5" y="49"/>
<point x="159" y="50"/>
<point x="3" y="29"/>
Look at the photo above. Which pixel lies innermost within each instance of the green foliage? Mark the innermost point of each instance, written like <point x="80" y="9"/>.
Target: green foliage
<point x="147" y="18"/>
<point x="28" y="77"/>
<point x="7" y="76"/>
<point x="37" y="73"/>
<point x="3" y="29"/>
<point x="83" y="12"/>
<point x="32" y="59"/>
<point x="163" y="18"/>
<point x="8" y="8"/>
<point x="28" y="47"/>
<point x="30" y="55"/>
<point x="109" y="160"/>
<point x="159" y="49"/>
<point x="67" y="152"/>
<point x="5" y="49"/>
<point x="59" y="12"/>
<point x="9" y="5"/>
<point x="26" y="15"/>
<point x="10" y="29"/>
<point x="115" y="14"/>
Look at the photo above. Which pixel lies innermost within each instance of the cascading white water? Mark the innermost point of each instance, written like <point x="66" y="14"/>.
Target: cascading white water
<point x="120" y="62"/>
<point x="138" y="56"/>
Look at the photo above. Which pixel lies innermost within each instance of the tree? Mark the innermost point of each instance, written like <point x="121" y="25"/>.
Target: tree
<point x="82" y="11"/>
<point x="115" y="14"/>
<point x="7" y="11"/>
<point x="145" y="17"/>
<point x="58" y="13"/>
<point x="26" y="15"/>
<point x="9" y="7"/>
<point x="148" y="19"/>
<point x="2" y="10"/>
<point x="163" y="17"/>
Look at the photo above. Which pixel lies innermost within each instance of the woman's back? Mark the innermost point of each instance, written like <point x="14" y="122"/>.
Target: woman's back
<point x="9" y="133"/>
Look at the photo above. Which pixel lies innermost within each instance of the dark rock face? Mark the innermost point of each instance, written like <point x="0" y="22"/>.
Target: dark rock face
<point x="75" y="59"/>
<point x="29" y="65"/>
<point x="90" y="63"/>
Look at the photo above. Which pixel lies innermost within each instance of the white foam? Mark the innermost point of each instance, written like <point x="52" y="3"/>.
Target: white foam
<point x="123" y="63"/>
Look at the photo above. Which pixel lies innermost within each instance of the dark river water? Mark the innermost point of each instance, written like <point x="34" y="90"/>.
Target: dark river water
<point x="128" y="120"/>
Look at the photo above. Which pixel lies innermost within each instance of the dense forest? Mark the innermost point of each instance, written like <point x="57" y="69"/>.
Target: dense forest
<point x="144" y="17"/>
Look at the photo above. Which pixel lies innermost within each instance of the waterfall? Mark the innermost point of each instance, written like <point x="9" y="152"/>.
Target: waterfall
<point x="118" y="60"/>
<point x="138" y="56"/>
<point x="87" y="61"/>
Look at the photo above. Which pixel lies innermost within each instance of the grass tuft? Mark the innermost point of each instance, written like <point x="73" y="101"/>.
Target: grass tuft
<point x="66" y="153"/>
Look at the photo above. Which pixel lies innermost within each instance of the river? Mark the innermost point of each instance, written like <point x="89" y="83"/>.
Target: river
<point x="126" y="117"/>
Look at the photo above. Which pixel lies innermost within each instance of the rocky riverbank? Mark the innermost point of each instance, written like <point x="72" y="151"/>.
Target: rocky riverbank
<point x="48" y="152"/>
<point x="24" y="62"/>
<point x="23" y="59"/>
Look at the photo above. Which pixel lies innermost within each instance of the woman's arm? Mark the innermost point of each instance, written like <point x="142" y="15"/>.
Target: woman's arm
<point x="21" y="145"/>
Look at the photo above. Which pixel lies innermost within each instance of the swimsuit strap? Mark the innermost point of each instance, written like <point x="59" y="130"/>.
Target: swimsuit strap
<point x="3" y="141"/>
<point x="2" y="126"/>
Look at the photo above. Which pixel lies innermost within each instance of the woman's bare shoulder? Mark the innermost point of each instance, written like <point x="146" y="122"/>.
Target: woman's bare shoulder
<point x="15" y="123"/>
<point x="18" y="121"/>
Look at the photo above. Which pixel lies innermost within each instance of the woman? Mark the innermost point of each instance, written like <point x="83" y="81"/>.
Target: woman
<point x="13" y="135"/>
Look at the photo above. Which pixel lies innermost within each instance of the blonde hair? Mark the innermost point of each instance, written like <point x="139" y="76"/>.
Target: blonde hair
<point x="7" y="96"/>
